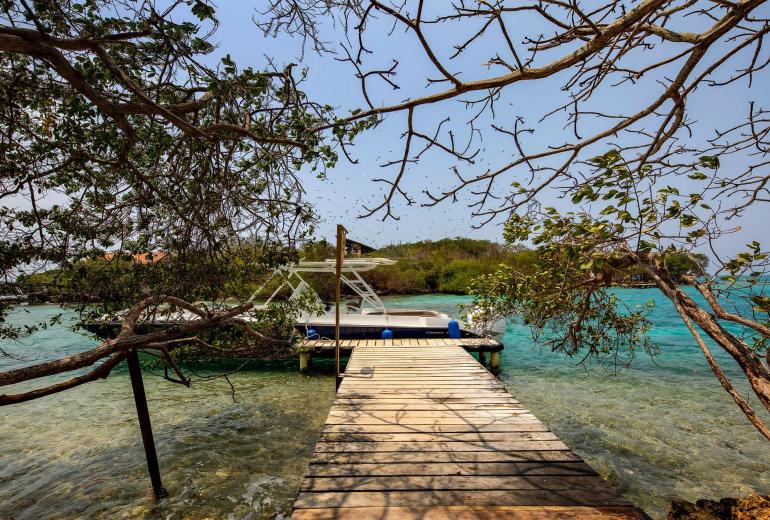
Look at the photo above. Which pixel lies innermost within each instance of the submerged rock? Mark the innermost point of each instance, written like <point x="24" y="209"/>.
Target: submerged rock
<point x="752" y="507"/>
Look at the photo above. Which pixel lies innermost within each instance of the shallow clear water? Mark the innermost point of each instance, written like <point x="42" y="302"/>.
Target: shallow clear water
<point x="663" y="429"/>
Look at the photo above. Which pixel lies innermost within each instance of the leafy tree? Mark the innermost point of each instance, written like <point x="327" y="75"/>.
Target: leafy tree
<point x="120" y="132"/>
<point x="446" y="265"/>
<point x="679" y="265"/>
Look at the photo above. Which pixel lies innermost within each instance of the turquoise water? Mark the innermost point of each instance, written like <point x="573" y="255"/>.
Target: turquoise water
<point x="663" y="429"/>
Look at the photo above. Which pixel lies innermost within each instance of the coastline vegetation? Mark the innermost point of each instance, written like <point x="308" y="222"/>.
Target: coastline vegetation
<point x="449" y="265"/>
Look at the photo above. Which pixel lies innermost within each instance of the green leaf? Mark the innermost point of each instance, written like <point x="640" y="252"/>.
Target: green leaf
<point x="709" y="161"/>
<point x="203" y="10"/>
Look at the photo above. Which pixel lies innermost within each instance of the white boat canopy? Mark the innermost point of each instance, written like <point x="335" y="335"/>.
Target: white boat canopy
<point x="348" y="265"/>
<point x="349" y="276"/>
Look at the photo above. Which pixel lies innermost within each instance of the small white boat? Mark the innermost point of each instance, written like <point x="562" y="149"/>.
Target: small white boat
<point x="367" y="317"/>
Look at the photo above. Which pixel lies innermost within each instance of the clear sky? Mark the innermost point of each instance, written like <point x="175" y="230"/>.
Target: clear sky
<point x="339" y="198"/>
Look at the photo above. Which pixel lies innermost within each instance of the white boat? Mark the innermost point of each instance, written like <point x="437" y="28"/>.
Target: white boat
<point x="368" y="316"/>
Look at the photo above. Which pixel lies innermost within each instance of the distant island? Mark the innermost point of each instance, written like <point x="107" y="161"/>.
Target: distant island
<point x="430" y="266"/>
<point x="449" y="265"/>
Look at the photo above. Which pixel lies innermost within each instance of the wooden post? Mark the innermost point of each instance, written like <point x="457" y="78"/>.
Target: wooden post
<point x="144" y="425"/>
<point x="482" y="358"/>
<point x="494" y="361"/>
<point x="303" y="362"/>
<point x="338" y="274"/>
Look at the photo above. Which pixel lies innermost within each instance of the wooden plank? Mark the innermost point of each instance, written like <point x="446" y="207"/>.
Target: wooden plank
<point x="422" y="387"/>
<point x="436" y="437"/>
<point x="368" y="382"/>
<point x="422" y="447"/>
<point x="425" y="354"/>
<point x="355" y="393"/>
<point x="454" y="483"/>
<point x="576" y="497"/>
<point x="473" y="513"/>
<point x="405" y="394"/>
<point x="395" y="415"/>
<point x="391" y="393"/>
<point x="432" y="367"/>
<point x="362" y="381"/>
<point x="415" y="407"/>
<point x="408" y="372"/>
<point x="416" y="379"/>
<point x="398" y="400"/>
<point x="415" y="395"/>
<point x="410" y="364"/>
<point x="407" y="352"/>
<point x="407" y="397"/>
<point x="462" y="374"/>
<point x="417" y="386"/>
<point x="410" y="357"/>
<point x="367" y="371"/>
<point x="407" y="361"/>
<point x="428" y="371"/>
<point x="447" y="456"/>
<point x="370" y="353"/>
<point x="529" y="426"/>
<point x="476" y="421"/>
<point x="450" y="468"/>
<point x="436" y="404"/>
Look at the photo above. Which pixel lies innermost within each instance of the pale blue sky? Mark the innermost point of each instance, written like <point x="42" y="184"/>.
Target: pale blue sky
<point x="348" y="186"/>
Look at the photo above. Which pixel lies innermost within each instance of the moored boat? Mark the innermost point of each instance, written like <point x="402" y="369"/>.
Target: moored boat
<point x="363" y="316"/>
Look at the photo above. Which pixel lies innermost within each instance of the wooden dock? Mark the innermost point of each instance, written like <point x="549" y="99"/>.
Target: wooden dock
<point x="428" y="433"/>
<point x="326" y="347"/>
<point x="469" y="344"/>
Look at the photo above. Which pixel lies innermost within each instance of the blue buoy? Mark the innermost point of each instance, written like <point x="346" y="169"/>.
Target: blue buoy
<point x="453" y="329"/>
<point x="312" y="334"/>
<point x="387" y="334"/>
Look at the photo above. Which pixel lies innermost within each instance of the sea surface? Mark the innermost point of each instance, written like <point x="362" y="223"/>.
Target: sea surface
<point x="660" y="430"/>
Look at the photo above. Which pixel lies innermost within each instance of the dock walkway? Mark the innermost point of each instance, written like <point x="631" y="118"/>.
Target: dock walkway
<point x="428" y="433"/>
<point x="326" y="347"/>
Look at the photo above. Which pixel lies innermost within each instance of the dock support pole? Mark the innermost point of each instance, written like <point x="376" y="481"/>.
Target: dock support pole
<point x="303" y="362"/>
<point x="337" y="275"/>
<point x="494" y="360"/>
<point x="482" y="358"/>
<point x="145" y="426"/>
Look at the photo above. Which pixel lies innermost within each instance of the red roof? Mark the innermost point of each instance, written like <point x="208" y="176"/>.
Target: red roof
<point x="141" y="258"/>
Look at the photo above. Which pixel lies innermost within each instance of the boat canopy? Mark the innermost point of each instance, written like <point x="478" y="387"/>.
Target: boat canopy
<point x="349" y="276"/>
<point x="348" y="265"/>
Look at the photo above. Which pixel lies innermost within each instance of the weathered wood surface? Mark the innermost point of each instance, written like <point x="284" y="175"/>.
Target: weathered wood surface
<point x="470" y="344"/>
<point x="418" y="433"/>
